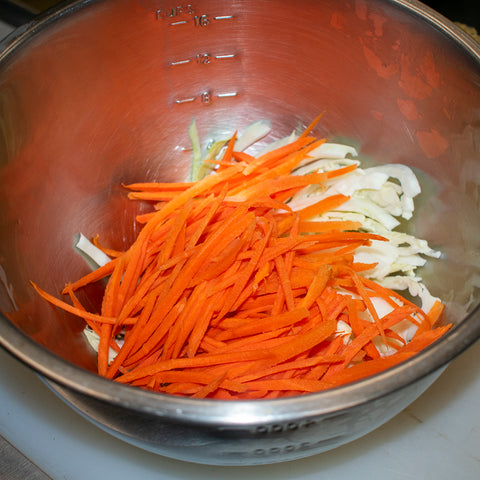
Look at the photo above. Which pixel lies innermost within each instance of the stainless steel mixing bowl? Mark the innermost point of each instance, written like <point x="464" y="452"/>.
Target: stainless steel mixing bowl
<point x="102" y="92"/>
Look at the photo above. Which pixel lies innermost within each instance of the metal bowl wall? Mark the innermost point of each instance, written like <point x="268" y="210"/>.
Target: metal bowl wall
<point x="101" y="93"/>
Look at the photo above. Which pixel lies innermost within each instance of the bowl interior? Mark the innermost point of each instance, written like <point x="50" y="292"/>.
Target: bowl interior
<point x="103" y="94"/>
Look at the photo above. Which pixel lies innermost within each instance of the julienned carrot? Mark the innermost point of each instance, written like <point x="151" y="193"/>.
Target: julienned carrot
<point x="312" y="125"/>
<point x="259" y="325"/>
<point x="80" y="312"/>
<point x="228" y="293"/>
<point x="322" y="206"/>
<point x="363" y="370"/>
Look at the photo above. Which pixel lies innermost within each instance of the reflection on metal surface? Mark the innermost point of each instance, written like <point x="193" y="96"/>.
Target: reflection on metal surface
<point x="8" y="288"/>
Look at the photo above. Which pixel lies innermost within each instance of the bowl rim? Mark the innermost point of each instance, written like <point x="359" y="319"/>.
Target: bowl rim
<point x="239" y="412"/>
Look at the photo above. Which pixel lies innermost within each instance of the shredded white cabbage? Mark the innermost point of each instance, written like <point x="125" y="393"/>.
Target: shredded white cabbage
<point x="344" y="330"/>
<point x="196" y="149"/>
<point x="333" y="150"/>
<point x="93" y="339"/>
<point x="252" y="134"/>
<point x="378" y="197"/>
<point x="90" y="251"/>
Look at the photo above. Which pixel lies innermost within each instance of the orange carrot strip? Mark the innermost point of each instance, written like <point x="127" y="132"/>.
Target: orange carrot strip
<point x="132" y="338"/>
<point x="199" y="329"/>
<point x="78" y="311"/>
<point x="322" y="206"/>
<point x="286" y="286"/>
<point x="270" y="157"/>
<point x="424" y="339"/>
<point x="94" y="276"/>
<point x="291" y="366"/>
<point x="189" y="318"/>
<point x="265" y="324"/>
<point x="243" y="157"/>
<point x="198" y="188"/>
<point x="301" y="343"/>
<point x="156" y="187"/>
<point x="278" y="184"/>
<point x="157" y="326"/>
<point x="107" y="251"/>
<point x="358" y="327"/>
<point x="210" y="388"/>
<point x="369" y="304"/>
<point x="297" y="384"/>
<point x="435" y="312"/>
<point x="103" y="348"/>
<point x="312" y="125"/>
<point x="388" y="294"/>
<point x="228" y="155"/>
<point x="284" y="168"/>
<point x="367" y="335"/>
<point x="363" y="370"/>
<point x="333" y="350"/>
<point x="174" y="232"/>
<point x="198" y="361"/>
<point x="316" y="286"/>
<point x="77" y="304"/>
<point x="338" y="172"/>
<point x="233" y="300"/>
<point x="311" y="226"/>
<point x="110" y="309"/>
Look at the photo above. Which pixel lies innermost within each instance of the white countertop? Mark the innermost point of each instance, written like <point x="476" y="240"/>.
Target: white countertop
<point x="435" y="438"/>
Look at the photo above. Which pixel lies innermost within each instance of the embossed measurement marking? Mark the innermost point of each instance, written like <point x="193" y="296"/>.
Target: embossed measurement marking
<point x="228" y="55"/>
<point x="203" y="59"/>
<point x="201" y="20"/>
<point x="187" y="10"/>
<point x="206" y="97"/>
<point x="186" y="14"/>
<point x="185" y="100"/>
<point x="180" y="62"/>
<point x="226" y="95"/>
<point x="175" y="11"/>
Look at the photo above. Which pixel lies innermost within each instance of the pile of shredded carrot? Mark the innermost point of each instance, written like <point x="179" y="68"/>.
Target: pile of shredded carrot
<point x="227" y="293"/>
